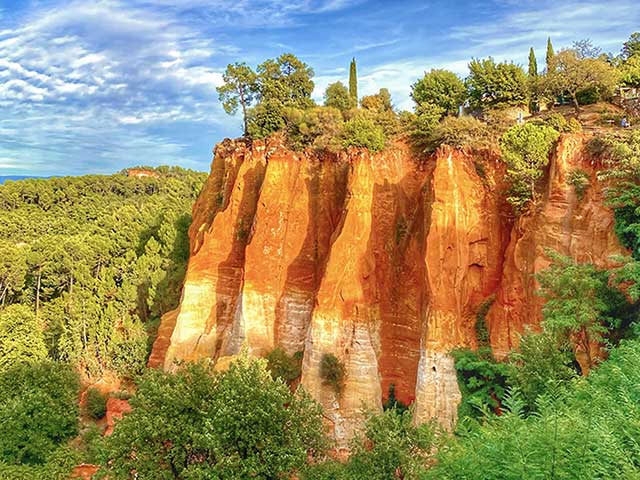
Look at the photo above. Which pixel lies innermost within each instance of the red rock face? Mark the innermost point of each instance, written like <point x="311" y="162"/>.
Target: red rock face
<point x="579" y="228"/>
<point x="382" y="260"/>
<point x="116" y="408"/>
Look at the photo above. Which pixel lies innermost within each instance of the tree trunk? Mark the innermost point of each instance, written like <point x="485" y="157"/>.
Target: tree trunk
<point x="244" y="111"/>
<point x="576" y="105"/>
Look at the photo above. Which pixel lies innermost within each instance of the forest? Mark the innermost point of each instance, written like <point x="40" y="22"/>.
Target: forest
<point x="89" y="264"/>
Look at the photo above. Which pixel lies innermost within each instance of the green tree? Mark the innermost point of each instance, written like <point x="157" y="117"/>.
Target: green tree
<point x="240" y="424"/>
<point x="573" y="73"/>
<point x="541" y="363"/>
<point x="441" y="88"/>
<point x="337" y="96"/>
<point x="496" y="85"/>
<point x="533" y="64"/>
<point x="38" y="411"/>
<point x="574" y="308"/>
<point x="525" y="149"/>
<point x="239" y="89"/>
<point x="353" y="81"/>
<point x="630" y="72"/>
<point x="362" y="131"/>
<point x="550" y="56"/>
<point x="285" y="81"/>
<point x="21" y="339"/>
<point x="392" y="447"/>
<point x="631" y="47"/>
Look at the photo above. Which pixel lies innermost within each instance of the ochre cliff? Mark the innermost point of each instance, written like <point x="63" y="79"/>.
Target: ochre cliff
<point x="381" y="259"/>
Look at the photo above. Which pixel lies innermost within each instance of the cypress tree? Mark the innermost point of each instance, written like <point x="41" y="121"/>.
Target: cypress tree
<point x="353" y="81"/>
<point x="533" y="64"/>
<point x="550" y="54"/>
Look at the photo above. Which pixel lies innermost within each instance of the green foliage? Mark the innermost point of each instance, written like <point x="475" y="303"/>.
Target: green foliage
<point x="533" y="64"/>
<point x="572" y="73"/>
<point x="332" y="372"/>
<point x="482" y="330"/>
<point x="550" y="56"/>
<point x="280" y="84"/>
<point x="353" y="81"/>
<point x="630" y="72"/>
<point x="441" y="88"/>
<point x="337" y="96"/>
<point x="58" y="467"/>
<point x="318" y="128"/>
<point x="391" y="447"/>
<point x="576" y="306"/>
<point x="525" y="149"/>
<point x="496" y="85"/>
<point x="283" y="366"/>
<point x="361" y="131"/>
<point x="460" y="132"/>
<point x="21" y="338"/>
<point x="239" y="89"/>
<point x="542" y="362"/>
<point x="240" y="424"/>
<point x="558" y="122"/>
<point x="631" y="47"/>
<point x="95" y="403"/>
<point x="38" y="411"/>
<point x="482" y="381"/>
<point x="588" y="431"/>
<point x="96" y="259"/>
<point x="579" y="180"/>
<point x="392" y="403"/>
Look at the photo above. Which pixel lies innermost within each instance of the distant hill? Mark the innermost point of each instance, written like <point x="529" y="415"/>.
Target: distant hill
<point x="4" y="178"/>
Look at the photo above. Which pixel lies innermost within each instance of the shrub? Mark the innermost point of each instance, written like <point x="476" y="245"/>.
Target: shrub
<point x="21" y="338"/>
<point x="542" y="362"/>
<point x="319" y="127"/>
<point x="456" y="132"/>
<point x="196" y="423"/>
<point x="579" y="180"/>
<point x="525" y="149"/>
<point x="392" y="447"/>
<point x="558" y="122"/>
<point x="362" y="131"/>
<point x="332" y="372"/>
<point x="482" y="381"/>
<point x="38" y="411"/>
<point x="283" y="366"/>
<point x="96" y="403"/>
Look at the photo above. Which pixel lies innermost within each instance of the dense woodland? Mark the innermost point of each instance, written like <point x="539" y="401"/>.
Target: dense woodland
<point x="88" y="265"/>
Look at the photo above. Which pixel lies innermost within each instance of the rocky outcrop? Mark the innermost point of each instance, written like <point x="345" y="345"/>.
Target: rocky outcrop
<point x="383" y="260"/>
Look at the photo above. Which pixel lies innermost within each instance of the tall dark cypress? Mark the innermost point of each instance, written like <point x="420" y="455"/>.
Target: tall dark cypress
<point x="533" y="64"/>
<point x="550" y="54"/>
<point x="353" y="81"/>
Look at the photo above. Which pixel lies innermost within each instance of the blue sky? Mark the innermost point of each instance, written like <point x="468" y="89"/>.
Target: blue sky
<point x="96" y="86"/>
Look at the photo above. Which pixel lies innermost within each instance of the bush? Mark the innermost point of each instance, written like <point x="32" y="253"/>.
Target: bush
<point x="558" y="122"/>
<point x="543" y="361"/>
<point x="392" y="447"/>
<point x="197" y="423"/>
<point x="21" y="338"/>
<point x="319" y="127"/>
<point x="38" y="411"/>
<point x="288" y="368"/>
<point x="361" y="131"/>
<point x="332" y="372"/>
<point x="458" y="132"/>
<point x="526" y="149"/>
<point x="579" y="180"/>
<point x="482" y="381"/>
<point x="96" y="403"/>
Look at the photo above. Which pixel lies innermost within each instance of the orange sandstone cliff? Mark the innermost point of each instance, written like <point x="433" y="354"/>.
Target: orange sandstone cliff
<point x="381" y="259"/>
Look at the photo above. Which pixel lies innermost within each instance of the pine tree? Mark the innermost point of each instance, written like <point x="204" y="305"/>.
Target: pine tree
<point x="550" y="54"/>
<point x="533" y="64"/>
<point x="353" y="81"/>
